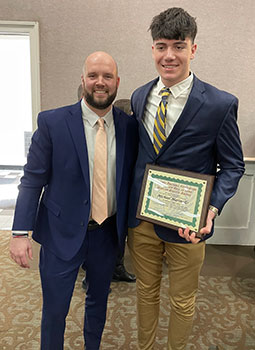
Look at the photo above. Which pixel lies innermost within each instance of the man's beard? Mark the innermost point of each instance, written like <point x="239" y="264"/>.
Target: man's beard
<point x="99" y="104"/>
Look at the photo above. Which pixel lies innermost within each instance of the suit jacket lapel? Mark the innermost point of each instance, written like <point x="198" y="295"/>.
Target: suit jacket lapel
<point x="143" y="98"/>
<point x="144" y="136"/>
<point x="120" y="134"/>
<point x="76" y="127"/>
<point x="194" y="103"/>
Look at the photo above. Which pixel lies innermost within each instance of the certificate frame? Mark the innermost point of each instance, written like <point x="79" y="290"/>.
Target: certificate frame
<point x="175" y="198"/>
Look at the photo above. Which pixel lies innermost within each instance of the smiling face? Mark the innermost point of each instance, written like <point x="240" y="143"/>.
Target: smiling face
<point x="100" y="82"/>
<point x="172" y="59"/>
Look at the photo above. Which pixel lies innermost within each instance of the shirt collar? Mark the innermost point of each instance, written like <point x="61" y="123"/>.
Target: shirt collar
<point x="177" y="89"/>
<point x="91" y="117"/>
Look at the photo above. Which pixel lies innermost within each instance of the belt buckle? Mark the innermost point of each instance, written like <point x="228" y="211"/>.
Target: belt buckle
<point x="92" y="225"/>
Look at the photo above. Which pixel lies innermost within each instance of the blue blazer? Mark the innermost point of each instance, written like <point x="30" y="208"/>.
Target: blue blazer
<point x="54" y="194"/>
<point x="205" y="137"/>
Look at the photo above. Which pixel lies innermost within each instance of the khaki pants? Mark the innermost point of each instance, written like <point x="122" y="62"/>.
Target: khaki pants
<point x="184" y="265"/>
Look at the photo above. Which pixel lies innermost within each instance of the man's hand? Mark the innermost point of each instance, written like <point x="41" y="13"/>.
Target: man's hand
<point x="21" y="250"/>
<point x="191" y="237"/>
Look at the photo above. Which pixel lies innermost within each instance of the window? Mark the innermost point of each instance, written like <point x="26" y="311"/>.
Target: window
<point x="19" y="89"/>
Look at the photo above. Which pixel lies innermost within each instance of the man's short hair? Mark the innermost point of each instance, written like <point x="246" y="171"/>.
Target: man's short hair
<point x="173" y="24"/>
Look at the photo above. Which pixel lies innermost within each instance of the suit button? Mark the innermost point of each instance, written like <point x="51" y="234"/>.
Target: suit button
<point x="85" y="202"/>
<point x="82" y="223"/>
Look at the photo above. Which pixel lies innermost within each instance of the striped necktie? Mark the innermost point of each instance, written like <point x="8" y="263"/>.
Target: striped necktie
<point x="99" y="211"/>
<point x="159" y="132"/>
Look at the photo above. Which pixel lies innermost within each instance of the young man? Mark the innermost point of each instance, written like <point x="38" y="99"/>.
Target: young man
<point x="198" y="133"/>
<point x="81" y="217"/>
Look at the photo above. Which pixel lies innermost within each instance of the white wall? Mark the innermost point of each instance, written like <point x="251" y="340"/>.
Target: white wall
<point x="70" y="30"/>
<point x="236" y="224"/>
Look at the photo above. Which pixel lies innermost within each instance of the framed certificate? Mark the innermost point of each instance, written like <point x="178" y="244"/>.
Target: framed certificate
<point x="175" y="198"/>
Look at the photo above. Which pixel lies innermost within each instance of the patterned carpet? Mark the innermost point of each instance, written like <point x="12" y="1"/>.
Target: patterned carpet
<point x="225" y="314"/>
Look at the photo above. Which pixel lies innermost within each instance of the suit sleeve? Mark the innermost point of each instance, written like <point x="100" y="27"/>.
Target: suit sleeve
<point x="229" y="158"/>
<point x="36" y="175"/>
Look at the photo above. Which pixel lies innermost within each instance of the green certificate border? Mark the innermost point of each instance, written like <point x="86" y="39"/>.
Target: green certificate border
<point x="173" y="211"/>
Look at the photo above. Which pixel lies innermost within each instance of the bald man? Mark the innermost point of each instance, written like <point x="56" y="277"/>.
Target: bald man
<point x="55" y="201"/>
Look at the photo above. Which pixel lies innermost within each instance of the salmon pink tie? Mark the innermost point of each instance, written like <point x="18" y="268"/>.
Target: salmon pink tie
<point x="99" y="188"/>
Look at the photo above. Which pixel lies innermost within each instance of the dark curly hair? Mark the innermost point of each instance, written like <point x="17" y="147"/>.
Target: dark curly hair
<point x="173" y="23"/>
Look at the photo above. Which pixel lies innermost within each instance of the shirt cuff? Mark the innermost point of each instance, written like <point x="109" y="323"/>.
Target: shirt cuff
<point x="20" y="232"/>
<point x="16" y="234"/>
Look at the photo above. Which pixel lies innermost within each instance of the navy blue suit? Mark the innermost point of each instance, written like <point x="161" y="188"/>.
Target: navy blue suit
<point x="54" y="202"/>
<point x="204" y="137"/>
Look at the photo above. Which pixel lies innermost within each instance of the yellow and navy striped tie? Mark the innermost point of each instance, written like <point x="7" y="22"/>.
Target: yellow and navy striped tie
<point x="159" y="132"/>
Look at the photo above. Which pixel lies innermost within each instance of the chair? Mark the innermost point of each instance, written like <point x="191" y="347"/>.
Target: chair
<point x="123" y="104"/>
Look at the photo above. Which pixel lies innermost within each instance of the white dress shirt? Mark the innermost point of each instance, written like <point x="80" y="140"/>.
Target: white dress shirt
<point x="176" y="102"/>
<point x="90" y="127"/>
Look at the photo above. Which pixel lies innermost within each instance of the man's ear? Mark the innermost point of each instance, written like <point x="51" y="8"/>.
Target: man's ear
<point x="193" y="51"/>
<point x="118" y="81"/>
<point x="152" y="50"/>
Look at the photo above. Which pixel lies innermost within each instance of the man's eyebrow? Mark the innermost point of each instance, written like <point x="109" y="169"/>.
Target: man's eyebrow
<point x="160" y="43"/>
<point x="180" y="42"/>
